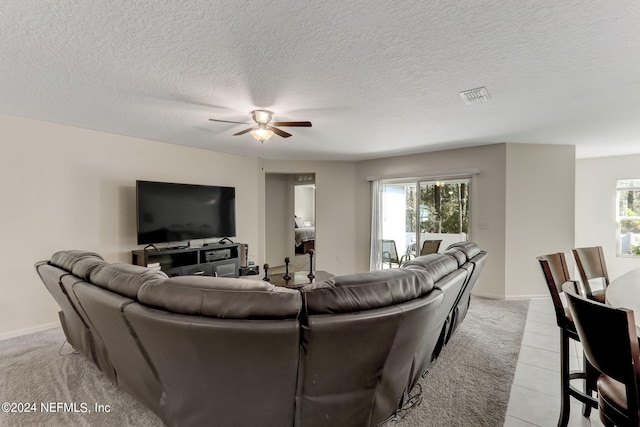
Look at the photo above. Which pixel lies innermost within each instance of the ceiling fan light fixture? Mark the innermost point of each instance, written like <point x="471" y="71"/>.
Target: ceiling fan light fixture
<point x="262" y="133"/>
<point x="262" y="116"/>
<point x="265" y="129"/>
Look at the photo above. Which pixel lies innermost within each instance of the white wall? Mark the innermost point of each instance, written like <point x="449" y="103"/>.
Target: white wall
<point x="539" y="212"/>
<point x="595" y="206"/>
<point x="68" y="188"/>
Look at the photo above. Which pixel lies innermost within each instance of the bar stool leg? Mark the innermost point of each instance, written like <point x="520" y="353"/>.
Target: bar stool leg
<point x="565" y="405"/>
<point x="589" y="383"/>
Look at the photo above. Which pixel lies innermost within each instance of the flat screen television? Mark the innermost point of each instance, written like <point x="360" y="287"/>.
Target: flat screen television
<point x="171" y="212"/>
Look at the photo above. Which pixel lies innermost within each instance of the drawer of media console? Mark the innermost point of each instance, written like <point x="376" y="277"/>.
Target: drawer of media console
<point x="198" y="270"/>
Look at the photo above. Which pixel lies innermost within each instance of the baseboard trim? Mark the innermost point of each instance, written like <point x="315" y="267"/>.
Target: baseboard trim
<point x="483" y="295"/>
<point x="27" y="331"/>
<point x="525" y="297"/>
<point x="510" y="297"/>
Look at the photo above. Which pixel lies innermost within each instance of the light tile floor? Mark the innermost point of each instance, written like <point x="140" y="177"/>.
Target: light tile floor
<point x="535" y="393"/>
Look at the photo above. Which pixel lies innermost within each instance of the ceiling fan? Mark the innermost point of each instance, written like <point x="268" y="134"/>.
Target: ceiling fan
<point x="265" y="129"/>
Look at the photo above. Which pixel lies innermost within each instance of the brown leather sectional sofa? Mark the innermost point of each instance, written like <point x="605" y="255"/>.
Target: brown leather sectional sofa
<point x="205" y="351"/>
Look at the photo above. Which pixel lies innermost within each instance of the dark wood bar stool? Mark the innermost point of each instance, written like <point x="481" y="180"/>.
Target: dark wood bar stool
<point x="591" y="265"/>
<point x="554" y="268"/>
<point x="610" y="343"/>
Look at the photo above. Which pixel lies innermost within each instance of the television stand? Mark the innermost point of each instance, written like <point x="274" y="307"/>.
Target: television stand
<point x="220" y="260"/>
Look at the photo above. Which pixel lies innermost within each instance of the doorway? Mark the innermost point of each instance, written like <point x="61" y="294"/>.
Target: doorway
<point x="290" y="219"/>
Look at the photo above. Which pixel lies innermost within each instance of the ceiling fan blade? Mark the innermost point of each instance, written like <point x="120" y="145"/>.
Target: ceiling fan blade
<point x="229" y="121"/>
<point x="296" y="124"/>
<point x="242" y="132"/>
<point x="279" y="132"/>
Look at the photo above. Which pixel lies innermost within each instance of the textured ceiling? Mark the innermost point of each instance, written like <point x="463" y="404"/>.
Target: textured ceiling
<point x="376" y="78"/>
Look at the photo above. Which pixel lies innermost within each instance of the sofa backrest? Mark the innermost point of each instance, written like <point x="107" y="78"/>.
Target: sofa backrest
<point x="67" y="260"/>
<point x="225" y="298"/>
<point x="221" y="371"/>
<point x="356" y="366"/>
<point x="435" y="334"/>
<point x="476" y="259"/>
<point x="124" y="279"/>
<point x="105" y="311"/>
<point x="366" y="291"/>
<point x="470" y="249"/>
<point x="230" y="337"/>
<point x="384" y="326"/>
<point x="450" y="278"/>
<point x="436" y="265"/>
<point x="456" y="254"/>
<point x="99" y="353"/>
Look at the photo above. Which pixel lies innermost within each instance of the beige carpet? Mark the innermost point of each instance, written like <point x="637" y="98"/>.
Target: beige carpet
<point x="468" y="386"/>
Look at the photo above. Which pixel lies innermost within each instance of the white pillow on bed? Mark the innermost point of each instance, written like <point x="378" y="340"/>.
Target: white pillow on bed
<point x="299" y="222"/>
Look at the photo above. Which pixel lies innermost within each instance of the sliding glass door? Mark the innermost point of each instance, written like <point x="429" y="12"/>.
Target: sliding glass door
<point x="417" y="217"/>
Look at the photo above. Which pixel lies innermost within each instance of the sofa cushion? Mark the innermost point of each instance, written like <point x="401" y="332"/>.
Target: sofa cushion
<point x="391" y="275"/>
<point x="68" y="259"/>
<point x="124" y="279"/>
<point x="366" y="291"/>
<point x="85" y="266"/>
<point x="221" y="297"/>
<point x="458" y="255"/>
<point x="436" y="266"/>
<point x="470" y="249"/>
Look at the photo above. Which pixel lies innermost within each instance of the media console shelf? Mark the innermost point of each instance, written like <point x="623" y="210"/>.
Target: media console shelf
<point x="222" y="260"/>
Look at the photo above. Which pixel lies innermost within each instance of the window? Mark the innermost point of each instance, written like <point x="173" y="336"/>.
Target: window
<point x="628" y="217"/>
<point x="411" y="212"/>
<point x="443" y="207"/>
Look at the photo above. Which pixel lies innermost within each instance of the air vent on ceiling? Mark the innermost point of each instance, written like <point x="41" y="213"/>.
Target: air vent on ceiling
<point x="475" y="96"/>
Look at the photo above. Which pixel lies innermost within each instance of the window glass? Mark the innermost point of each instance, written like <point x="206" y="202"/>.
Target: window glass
<point x="416" y="212"/>
<point x="628" y="217"/>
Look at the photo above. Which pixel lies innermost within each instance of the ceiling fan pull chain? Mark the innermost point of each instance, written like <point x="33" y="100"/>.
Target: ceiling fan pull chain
<point x="262" y="155"/>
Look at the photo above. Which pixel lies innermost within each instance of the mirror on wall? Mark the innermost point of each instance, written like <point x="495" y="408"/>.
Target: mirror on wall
<point x="290" y="201"/>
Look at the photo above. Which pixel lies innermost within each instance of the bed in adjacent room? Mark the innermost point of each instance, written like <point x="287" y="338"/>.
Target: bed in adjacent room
<point x="305" y="236"/>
